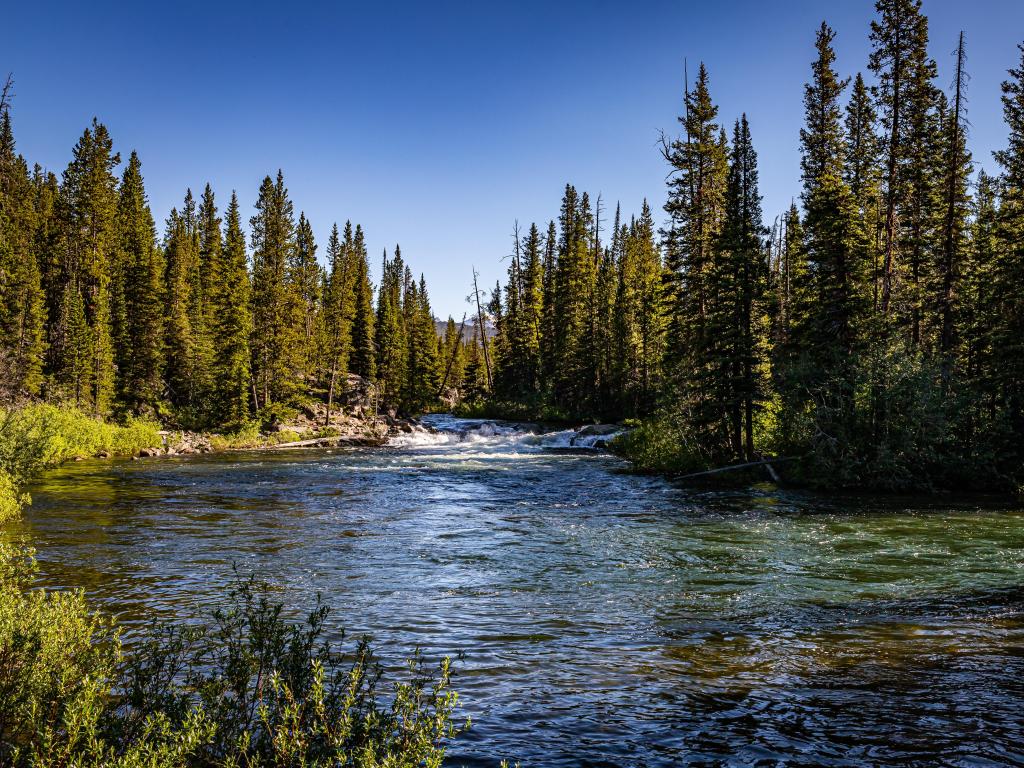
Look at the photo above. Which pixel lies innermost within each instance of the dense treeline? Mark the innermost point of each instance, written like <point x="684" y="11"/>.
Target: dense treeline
<point x="876" y="329"/>
<point x="198" y="327"/>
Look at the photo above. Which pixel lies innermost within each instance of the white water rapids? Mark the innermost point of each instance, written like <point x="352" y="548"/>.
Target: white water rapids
<point x="480" y="436"/>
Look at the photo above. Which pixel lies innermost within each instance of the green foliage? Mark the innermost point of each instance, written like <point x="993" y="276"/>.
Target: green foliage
<point x="44" y="435"/>
<point x="249" y="688"/>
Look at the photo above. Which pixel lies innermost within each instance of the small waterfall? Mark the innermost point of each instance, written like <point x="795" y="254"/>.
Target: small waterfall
<point x="479" y="435"/>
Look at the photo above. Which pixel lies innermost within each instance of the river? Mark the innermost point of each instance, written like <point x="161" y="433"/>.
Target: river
<point x="606" y="619"/>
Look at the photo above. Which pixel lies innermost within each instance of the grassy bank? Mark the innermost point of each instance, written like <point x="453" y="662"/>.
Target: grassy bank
<point x="36" y="437"/>
<point x="248" y="687"/>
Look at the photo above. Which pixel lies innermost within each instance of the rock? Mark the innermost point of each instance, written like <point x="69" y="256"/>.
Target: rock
<point x="594" y="430"/>
<point x="103" y="455"/>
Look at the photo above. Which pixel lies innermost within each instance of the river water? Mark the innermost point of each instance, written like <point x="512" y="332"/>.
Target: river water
<point x="606" y="619"/>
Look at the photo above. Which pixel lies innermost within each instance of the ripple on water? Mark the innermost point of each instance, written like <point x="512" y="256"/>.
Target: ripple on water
<point x="606" y="619"/>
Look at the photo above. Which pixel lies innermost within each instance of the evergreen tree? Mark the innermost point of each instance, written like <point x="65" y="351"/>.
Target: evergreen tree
<point x="306" y="277"/>
<point x="140" y="352"/>
<point x="695" y="205"/>
<point x="391" y="331"/>
<point x="234" y="389"/>
<point x="278" y="321"/>
<point x="22" y="308"/>
<point x="338" y="308"/>
<point x="364" y="354"/>
<point x="955" y="209"/>
<point x="862" y="174"/>
<point x="88" y="239"/>
<point x="836" y="244"/>
<point x="739" y="280"/>
<point x="905" y="95"/>
<point x="1008" y="333"/>
<point x="423" y="366"/>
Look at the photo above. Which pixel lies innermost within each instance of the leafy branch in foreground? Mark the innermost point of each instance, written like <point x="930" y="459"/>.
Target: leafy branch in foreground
<point x="250" y="688"/>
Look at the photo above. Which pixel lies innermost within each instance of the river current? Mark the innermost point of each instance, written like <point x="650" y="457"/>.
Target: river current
<point x="606" y="619"/>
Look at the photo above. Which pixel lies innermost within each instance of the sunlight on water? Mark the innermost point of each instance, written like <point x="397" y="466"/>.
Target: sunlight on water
<point x="607" y="619"/>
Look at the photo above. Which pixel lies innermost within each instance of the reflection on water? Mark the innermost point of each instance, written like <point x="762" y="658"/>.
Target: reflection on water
<point x="606" y="619"/>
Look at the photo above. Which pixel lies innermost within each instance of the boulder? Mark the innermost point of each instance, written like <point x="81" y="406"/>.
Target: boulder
<point x="599" y="430"/>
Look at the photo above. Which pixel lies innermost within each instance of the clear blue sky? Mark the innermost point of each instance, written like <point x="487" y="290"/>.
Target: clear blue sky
<point x="436" y="125"/>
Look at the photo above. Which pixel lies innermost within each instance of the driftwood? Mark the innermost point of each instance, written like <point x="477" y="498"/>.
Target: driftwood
<point x="324" y="442"/>
<point x="763" y="463"/>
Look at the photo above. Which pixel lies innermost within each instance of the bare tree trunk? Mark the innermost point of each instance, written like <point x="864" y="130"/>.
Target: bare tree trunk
<point x="483" y="330"/>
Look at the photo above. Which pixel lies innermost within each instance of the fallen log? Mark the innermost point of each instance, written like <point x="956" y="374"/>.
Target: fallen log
<point x="325" y="442"/>
<point x="731" y="467"/>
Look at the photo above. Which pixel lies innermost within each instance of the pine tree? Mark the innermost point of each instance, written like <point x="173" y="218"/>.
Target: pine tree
<point x="862" y="174"/>
<point x="1008" y="334"/>
<point x="364" y="354"/>
<point x="955" y="209"/>
<point x="390" y="331"/>
<point x="452" y="358"/>
<point x="140" y="351"/>
<point x="549" y="319"/>
<point x="278" y="322"/>
<point x="739" y="278"/>
<point x="234" y="389"/>
<point x="532" y="302"/>
<point x="695" y="207"/>
<point x="905" y="95"/>
<point x="338" y="308"/>
<point x="639" y="314"/>
<point x="205" y="281"/>
<point x="424" y="368"/>
<point x="573" y="288"/>
<point x="306" y="277"/>
<point x="836" y="243"/>
<point x="88" y="238"/>
<point x="185" y="351"/>
<point x="22" y="307"/>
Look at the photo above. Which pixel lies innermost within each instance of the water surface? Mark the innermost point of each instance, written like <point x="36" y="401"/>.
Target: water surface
<point x="606" y="619"/>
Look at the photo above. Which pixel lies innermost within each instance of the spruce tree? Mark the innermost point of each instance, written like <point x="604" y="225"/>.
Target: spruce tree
<point x="695" y="205"/>
<point x="233" y="384"/>
<point x="278" y="320"/>
<point x="364" y="354"/>
<point x="905" y="95"/>
<point x="22" y="307"/>
<point x="181" y="255"/>
<point x="88" y="239"/>
<point x="140" y="351"/>
<point x="306" y="277"/>
<point x="390" y="342"/>
<point x="1008" y="333"/>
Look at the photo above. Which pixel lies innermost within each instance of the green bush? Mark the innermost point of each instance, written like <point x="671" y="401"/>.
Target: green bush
<point x="43" y="435"/>
<point x="250" y="688"/>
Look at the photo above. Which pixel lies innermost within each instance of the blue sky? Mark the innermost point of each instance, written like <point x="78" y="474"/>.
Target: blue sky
<point x="437" y="125"/>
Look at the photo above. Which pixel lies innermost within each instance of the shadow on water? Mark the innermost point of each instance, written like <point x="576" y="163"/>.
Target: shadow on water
<point x="607" y="619"/>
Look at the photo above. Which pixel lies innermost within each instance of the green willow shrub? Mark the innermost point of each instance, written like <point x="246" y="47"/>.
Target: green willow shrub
<point x="249" y="689"/>
<point x="42" y="435"/>
<point x="280" y="694"/>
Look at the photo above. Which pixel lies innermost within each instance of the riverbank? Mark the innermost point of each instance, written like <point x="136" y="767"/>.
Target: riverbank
<point x="261" y="688"/>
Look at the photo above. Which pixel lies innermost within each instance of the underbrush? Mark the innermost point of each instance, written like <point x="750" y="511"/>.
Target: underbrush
<point x="247" y="688"/>
<point x="35" y="437"/>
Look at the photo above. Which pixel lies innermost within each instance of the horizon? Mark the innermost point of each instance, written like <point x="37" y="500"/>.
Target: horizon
<point x="362" y="135"/>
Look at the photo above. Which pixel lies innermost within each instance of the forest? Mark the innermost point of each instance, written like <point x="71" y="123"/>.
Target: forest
<point x="873" y="330"/>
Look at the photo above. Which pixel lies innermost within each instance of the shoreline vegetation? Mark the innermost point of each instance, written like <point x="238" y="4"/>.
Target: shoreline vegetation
<point x="250" y="685"/>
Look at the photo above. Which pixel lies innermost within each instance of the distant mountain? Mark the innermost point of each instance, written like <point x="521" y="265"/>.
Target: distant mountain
<point x="468" y="331"/>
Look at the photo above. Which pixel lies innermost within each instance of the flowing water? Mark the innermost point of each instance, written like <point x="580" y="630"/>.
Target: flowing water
<point x="606" y="619"/>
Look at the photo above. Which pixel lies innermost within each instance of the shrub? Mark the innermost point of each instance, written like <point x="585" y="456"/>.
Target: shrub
<point x="250" y="688"/>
